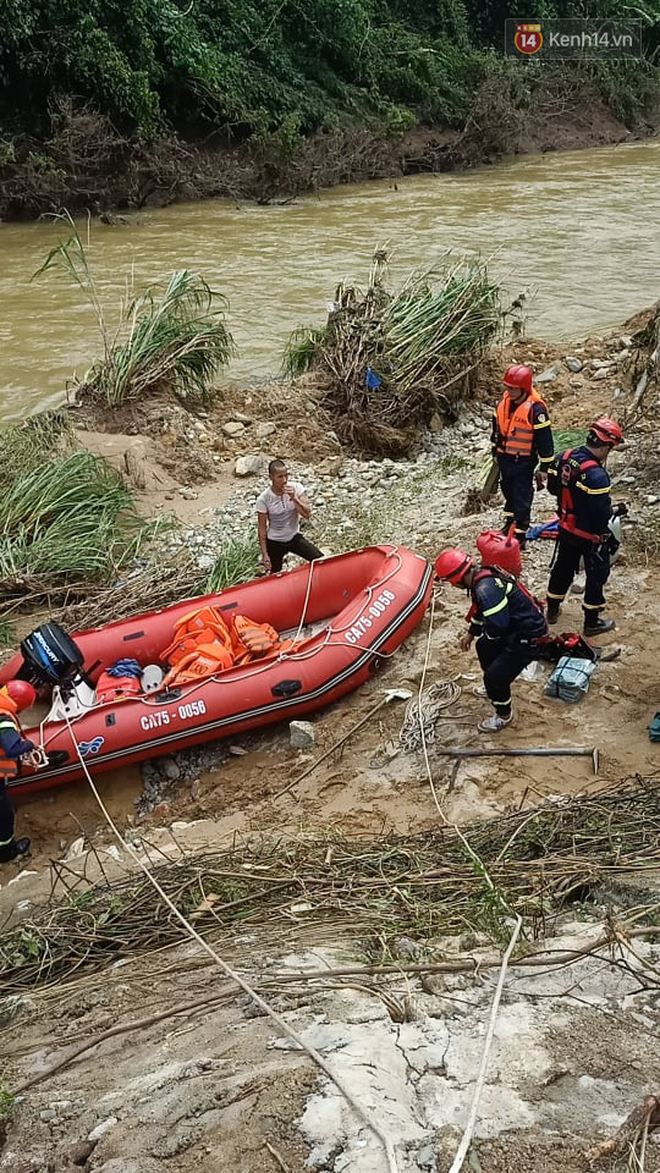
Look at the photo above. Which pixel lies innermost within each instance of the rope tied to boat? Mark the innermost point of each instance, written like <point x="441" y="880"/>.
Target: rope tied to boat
<point x="422" y="712"/>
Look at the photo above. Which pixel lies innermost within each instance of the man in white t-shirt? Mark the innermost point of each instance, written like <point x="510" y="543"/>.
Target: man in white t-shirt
<point x="279" y="510"/>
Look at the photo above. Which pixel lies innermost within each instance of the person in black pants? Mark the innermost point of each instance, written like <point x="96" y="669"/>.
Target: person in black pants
<point x="15" y="696"/>
<point x="582" y="487"/>
<point x="508" y="622"/>
<point x="279" y="512"/>
<point x="522" y="442"/>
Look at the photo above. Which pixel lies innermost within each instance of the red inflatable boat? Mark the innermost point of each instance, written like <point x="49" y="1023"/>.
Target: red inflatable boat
<point x="349" y="612"/>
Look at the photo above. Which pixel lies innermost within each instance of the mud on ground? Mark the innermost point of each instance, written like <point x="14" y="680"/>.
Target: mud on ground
<point x="218" y="1089"/>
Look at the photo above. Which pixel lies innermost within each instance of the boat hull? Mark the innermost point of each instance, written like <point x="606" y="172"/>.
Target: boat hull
<point x="384" y="591"/>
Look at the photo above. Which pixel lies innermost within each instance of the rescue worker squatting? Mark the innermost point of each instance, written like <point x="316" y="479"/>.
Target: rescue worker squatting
<point x="508" y="622"/>
<point x="14" y="697"/>
<point x="582" y="487"/>
<point x="521" y="437"/>
<point x="279" y="510"/>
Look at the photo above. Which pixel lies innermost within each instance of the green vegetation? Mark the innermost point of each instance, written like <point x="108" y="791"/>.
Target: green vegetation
<point x="170" y="339"/>
<point x="84" y="88"/>
<point x="70" y="520"/>
<point x="391" y="359"/>
<point x="239" y="560"/>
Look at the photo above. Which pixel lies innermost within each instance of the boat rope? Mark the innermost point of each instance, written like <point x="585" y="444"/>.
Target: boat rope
<point x="269" y="1010"/>
<point x="466" y="1139"/>
<point x="440" y="695"/>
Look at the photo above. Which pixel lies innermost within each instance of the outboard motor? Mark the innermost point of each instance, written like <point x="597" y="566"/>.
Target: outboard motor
<point x="50" y="656"/>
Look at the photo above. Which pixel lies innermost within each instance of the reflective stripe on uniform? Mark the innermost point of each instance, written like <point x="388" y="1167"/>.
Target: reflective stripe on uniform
<point x="501" y="704"/>
<point x="6" y="842"/>
<point x="543" y="424"/>
<point x="593" y="492"/>
<point x="508" y="587"/>
<point x="593" y="606"/>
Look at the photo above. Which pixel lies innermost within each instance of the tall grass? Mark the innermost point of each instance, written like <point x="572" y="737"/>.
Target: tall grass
<point x="238" y="560"/>
<point x="170" y="337"/>
<point x="423" y="343"/>
<point x="70" y="520"/>
<point x="28" y="445"/>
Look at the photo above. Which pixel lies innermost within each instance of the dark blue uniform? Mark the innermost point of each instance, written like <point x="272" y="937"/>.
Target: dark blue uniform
<point x="509" y="623"/>
<point x="585" y="508"/>
<point x="516" y="470"/>
<point x="13" y="746"/>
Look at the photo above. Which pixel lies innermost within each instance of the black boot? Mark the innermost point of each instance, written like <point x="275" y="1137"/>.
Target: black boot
<point x="552" y="614"/>
<point x="594" y="625"/>
<point x="11" y="851"/>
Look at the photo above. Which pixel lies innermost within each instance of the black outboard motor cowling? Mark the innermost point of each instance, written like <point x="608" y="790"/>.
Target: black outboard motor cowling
<point x="50" y="656"/>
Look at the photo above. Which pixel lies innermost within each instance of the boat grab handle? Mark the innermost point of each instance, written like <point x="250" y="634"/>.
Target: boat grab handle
<point x="286" y="688"/>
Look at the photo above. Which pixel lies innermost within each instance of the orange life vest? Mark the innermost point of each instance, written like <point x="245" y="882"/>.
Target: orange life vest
<point x="204" y="628"/>
<point x="516" y="431"/>
<point x="258" y="638"/>
<point x="116" y="688"/>
<point x="8" y="719"/>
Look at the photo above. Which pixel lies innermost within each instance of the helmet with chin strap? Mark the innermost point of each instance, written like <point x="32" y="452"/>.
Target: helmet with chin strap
<point x="452" y="565"/>
<point x="518" y="377"/>
<point x="22" y="693"/>
<point x="607" y="431"/>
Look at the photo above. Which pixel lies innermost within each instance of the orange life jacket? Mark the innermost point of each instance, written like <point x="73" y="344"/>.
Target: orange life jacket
<point x="116" y="688"/>
<point x="204" y="628"/>
<point x="516" y="431"/>
<point x="258" y="638"/>
<point x="8" y="720"/>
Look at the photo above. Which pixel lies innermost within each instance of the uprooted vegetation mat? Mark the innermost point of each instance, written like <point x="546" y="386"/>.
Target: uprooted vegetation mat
<point x="529" y="864"/>
<point x="389" y="360"/>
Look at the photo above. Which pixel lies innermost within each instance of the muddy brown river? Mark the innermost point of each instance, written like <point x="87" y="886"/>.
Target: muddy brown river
<point x="577" y="231"/>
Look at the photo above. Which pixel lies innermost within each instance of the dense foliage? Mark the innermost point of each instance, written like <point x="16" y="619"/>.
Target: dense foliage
<point x="251" y="67"/>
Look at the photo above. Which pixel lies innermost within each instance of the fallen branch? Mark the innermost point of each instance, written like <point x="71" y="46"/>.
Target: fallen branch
<point x="645" y="1116"/>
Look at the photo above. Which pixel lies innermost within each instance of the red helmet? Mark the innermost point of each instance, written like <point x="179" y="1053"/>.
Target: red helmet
<point x="22" y="693"/>
<point x="518" y="376"/>
<point x="607" y="430"/>
<point x="453" y="565"/>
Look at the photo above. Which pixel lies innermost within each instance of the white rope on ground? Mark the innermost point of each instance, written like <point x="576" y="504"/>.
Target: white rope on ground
<point x="466" y="1139"/>
<point x="231" y="973"/>
<point x="441" y="695"/>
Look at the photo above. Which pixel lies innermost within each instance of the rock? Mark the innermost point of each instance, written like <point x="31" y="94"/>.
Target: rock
<point x="48" y="1115"/>
<point x="248" y="466"/>
<point x="102" y="1128"/>
<point x="162" y="810"/>
<point x="78" y="1153"/>
<point x="302" y="734"/>
<point x="576" y="383"/>
<point x="436" y="423"/>
<point x="330" y="467"/>
<point x="623" y="355"/>
<point x="548" y="374"/>
<point x="652" y="499"/>
<point x="601" y="373"/>
<point x="426" y="1157"/>
<point x="573" y="364"/>
<point x="625" y="341"/>
<point x="188" y="494"/>
<point x="265" y="429"/>
<point x="233" y="429"/>
<point x="597" y="364"/>
<point x="171" y="771"/>
<point x="237" y="751"/>
<point x="241" y="418"/>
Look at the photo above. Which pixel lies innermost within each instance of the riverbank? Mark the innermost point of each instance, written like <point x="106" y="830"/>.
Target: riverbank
<point x="212" y="1083"/>
<point x="89" y="167"/>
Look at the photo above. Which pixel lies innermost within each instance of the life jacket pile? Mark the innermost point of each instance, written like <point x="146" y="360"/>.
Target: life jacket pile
<point x="205" y="644"/>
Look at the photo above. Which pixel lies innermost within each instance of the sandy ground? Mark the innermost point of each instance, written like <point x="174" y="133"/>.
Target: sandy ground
<point x="220" y="1090"/>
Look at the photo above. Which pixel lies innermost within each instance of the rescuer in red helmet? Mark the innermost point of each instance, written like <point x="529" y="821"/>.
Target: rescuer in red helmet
<point x="508" y="622"/>
<point x="521" y="439"/>
<point x="15" y="696"/>
<point x="582" y="487"/>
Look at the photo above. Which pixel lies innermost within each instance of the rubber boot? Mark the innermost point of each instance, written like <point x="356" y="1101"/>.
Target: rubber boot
<point x="11" y="851"/>
<point x="553" y="609"/>
<point x="597" y="626"/>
